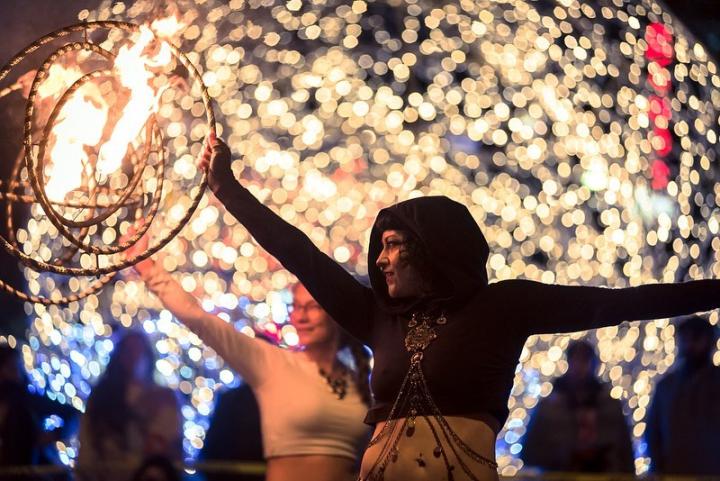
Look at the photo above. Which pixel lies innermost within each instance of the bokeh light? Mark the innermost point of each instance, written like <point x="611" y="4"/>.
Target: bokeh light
<point x="581" y="135"/>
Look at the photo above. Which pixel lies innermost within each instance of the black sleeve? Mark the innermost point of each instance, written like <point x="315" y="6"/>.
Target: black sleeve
<point x="543" y="308"/>
<point x="346" y="300"/>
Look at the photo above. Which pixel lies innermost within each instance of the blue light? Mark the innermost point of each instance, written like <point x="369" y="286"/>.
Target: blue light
<point x="52" y="423"/>
<point x="149" y="326"/>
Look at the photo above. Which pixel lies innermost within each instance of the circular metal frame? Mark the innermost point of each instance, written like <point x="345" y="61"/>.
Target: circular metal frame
<point x="34" y="162"/>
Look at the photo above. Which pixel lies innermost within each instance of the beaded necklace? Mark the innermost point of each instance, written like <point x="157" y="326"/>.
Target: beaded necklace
<point x="339" y="384"/>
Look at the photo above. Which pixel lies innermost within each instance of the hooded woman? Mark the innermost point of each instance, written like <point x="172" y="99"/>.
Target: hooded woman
<point x="445" y="341"/>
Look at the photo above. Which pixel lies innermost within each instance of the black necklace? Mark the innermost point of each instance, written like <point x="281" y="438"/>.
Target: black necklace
<point x="339" y="384"/>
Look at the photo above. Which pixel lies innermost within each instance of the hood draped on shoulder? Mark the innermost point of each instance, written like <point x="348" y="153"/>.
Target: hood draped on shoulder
<point x="453" y="242"/>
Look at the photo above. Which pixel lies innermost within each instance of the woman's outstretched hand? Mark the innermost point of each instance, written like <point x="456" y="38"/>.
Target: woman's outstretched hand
<point x="216" y="160"/>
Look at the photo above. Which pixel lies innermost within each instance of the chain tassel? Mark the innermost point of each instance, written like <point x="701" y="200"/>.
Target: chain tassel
<point x="415" y="394"/>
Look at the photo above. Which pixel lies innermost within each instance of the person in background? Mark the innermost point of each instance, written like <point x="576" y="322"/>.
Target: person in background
<point x="234" y="434"/>
<point x="579" y="427"/>
<point x="683" y="426"/>
<point x="129" y="417"/>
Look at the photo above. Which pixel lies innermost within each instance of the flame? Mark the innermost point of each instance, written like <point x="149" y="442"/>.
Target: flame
<point x="134" y="71"/>
<point x="80" y="124"/>
<point x="58" y="80"/>
<point x="85" y="116"/>
<point x="168" y="27"/>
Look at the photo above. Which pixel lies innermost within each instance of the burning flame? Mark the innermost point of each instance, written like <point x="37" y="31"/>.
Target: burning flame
<point x="85" y="115"/>
<point x="58" y="80"/>
<point x="81" y="125"/>
<point x="132" y="68"/>
<point x="168" y="27"/>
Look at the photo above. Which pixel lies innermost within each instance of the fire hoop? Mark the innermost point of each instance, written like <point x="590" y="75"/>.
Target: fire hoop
<point x="119" y="204"/>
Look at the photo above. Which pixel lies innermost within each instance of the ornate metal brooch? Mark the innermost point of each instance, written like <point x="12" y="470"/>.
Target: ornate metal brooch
<point x="422" y="333"/>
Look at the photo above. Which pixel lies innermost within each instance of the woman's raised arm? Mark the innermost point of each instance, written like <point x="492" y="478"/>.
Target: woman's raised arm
<point x="545" y="308"/>
<point x="346" y="300"/>
<point x="249" y="357"/>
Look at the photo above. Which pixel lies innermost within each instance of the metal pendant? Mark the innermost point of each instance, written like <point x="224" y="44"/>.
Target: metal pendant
<point x="419" y="337"/>
<point x="410" y="428"/>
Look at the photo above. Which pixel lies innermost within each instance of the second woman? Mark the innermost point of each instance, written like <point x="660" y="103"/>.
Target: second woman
<point x="311" y="404"/>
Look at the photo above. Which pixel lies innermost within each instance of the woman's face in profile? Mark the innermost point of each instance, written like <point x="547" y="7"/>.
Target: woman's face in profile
<point x="401" y="277"/>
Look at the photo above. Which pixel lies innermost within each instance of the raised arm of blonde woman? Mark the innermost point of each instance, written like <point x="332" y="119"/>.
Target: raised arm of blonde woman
<point x="248" y="356"/>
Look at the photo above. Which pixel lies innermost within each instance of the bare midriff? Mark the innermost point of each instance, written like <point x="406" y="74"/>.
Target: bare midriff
<point x="416" y="459"/>
<point x="315" y="467"/>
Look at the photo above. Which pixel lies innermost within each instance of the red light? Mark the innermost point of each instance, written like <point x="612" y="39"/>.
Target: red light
<point x="662" y="141"/>
<point x="660" y="174"/>
<point x="660" y="44"/>
<point x="659" y="107"/>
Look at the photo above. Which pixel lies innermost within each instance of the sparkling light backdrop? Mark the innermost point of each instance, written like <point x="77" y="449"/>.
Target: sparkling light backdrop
<point x="581" y="135"/>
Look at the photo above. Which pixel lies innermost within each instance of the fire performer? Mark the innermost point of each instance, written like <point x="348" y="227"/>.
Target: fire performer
<point x="446" y="342"/>
<point x="311" y="404"/>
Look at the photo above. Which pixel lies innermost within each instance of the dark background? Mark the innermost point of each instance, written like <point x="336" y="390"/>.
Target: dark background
<point x="23" y="21"/>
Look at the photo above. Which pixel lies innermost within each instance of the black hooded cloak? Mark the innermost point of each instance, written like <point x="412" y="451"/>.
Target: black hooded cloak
<point x="452" y="239"/>
<point x="470" y="366"/>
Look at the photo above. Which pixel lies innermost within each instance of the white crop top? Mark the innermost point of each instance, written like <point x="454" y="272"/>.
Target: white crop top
<point x="299" y="413"/>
